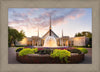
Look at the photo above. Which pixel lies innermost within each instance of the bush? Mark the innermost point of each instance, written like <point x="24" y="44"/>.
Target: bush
<point x="20" y="45"/>
<point x="61" y="54"/>
<point x="75" y="51"/>
<point x="27" y="51"/>
<point x="19" y="49"/>
<point x="49" y="51"/>
<point x="79" y="46"/>
<point x="35" y="50"/>
<point x="83" y="50"/>
<point x="45" y="51"/>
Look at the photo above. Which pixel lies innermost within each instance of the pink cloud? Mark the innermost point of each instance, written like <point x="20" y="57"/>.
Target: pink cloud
<point x="72" y="17"/>
<point x="79" y="15"/>
<point x="42" y="21"/>
<point x="75" y="14"/>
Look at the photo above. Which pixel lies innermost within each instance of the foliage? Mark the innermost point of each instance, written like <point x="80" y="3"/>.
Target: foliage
<point x="83" y="50"/>
<point x="45" y="51"/>
<point x="21" y="45"/>
<point x="35" y="50"/>
<point x="49" y="51"/>
<point x="87" y="34"/>
<point x="61" y="54"/>
<point x="79" y="46"/>
<point x="75" y="51"/>
<point x="19" y="49"/>
<point x="14" y="35"/>
<point x="27" y="51"/>
<point x="78" y="34"/>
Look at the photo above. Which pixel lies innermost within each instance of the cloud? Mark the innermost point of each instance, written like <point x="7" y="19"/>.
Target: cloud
<point x="73" y="14"/>
<point x="19" y="15"/>
<point x="72" y="17"/>
<point x="27" y="21"/>
<point x="76" y="13"/>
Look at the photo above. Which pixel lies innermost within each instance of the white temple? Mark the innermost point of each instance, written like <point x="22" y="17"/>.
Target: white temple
<point x="60" y="41"/>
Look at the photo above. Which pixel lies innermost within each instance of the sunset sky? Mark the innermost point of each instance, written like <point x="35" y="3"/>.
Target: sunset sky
<point x="70" y="20"/>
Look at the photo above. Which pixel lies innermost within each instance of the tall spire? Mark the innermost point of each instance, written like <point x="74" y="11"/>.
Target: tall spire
<point x="38" y="37"/>
<point x="50" y="27"/>
<point x="62" y="33"/>
<point x="50" y="23"/>
<point x="38" y="31"/>
<point x="62" y="37"/>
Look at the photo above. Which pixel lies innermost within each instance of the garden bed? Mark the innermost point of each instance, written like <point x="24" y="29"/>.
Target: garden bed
<point x="46" y="59"/>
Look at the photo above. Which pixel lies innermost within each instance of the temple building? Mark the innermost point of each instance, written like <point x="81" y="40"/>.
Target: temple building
<point x="61" y="41"/>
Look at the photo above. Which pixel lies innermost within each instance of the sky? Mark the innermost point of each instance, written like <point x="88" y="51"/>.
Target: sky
<point x="68" y="20"/>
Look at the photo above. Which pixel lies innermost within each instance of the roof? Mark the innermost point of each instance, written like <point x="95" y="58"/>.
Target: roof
<point x="51" y="32"/>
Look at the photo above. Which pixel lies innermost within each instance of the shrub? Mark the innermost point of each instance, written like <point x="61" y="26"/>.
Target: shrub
<point x="21" y="45"/>
<point x="61" y="54"/>
<point x="49" y="51"/>
<point x="75" y="51"/>
<point x="19" y="49"/>
<point x="45" y="51"/>
<point x="83" y="50"/>
<point x="69" y="48"/>
<point x="26" y="51"/>
<point x="35" y="50"/>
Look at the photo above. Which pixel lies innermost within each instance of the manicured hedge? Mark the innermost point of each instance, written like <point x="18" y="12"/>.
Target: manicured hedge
<point x="75" y="51"/>
<point x="83" y="50"/>
<point x="44" y="51"/>
<point x="61" y="54"/>
<point x="19" y="49"/>
<point x="27" y="51"/>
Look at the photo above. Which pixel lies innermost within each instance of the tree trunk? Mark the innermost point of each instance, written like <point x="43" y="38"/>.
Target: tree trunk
<point x="14" y="43"/>
<point x="10" y="43"/>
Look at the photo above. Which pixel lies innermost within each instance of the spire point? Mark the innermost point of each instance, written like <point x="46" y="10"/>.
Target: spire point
<point x="50" y="27"/>
<point x="50" y="23"/>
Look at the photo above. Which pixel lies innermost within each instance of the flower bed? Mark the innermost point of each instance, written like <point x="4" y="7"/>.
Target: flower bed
<point x="38" y="59"/>
<point x="48" y="56"/>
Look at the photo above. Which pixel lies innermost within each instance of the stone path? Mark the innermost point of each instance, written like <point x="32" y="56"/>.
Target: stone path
<point x="12" y="57"/>
<point x="88" y="57"/>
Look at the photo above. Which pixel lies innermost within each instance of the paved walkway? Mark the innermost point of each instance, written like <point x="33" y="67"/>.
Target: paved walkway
<point x="12" y="57"/>
<point x="88" y="57"/>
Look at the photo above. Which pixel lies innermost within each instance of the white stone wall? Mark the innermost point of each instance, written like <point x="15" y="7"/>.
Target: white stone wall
<point x="79" y="41"/>
<point x="22" y="42"/>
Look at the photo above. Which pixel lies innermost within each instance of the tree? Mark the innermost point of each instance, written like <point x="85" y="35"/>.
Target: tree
<point x="78" y="35"/>
<point x="87" y="34"/>
<point x="14" y="35"/>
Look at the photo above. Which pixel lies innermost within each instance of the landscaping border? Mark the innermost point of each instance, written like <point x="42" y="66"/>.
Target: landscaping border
<point x="46" y="59"/>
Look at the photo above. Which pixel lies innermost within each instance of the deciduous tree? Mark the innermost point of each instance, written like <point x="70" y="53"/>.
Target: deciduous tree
<point x="14" y="35"/>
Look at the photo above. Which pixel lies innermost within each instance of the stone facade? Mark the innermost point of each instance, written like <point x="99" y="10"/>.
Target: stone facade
<point x="63" y="41"/>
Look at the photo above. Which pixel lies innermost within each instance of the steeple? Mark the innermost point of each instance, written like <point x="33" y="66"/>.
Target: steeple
<point x="38" y="31"/>
<point x="62" y="37"/>
<point x="38" y="37"/>
<point x="50" y="27"/>
<point x="62" y="33"/>
<point x="50" y="23"/>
